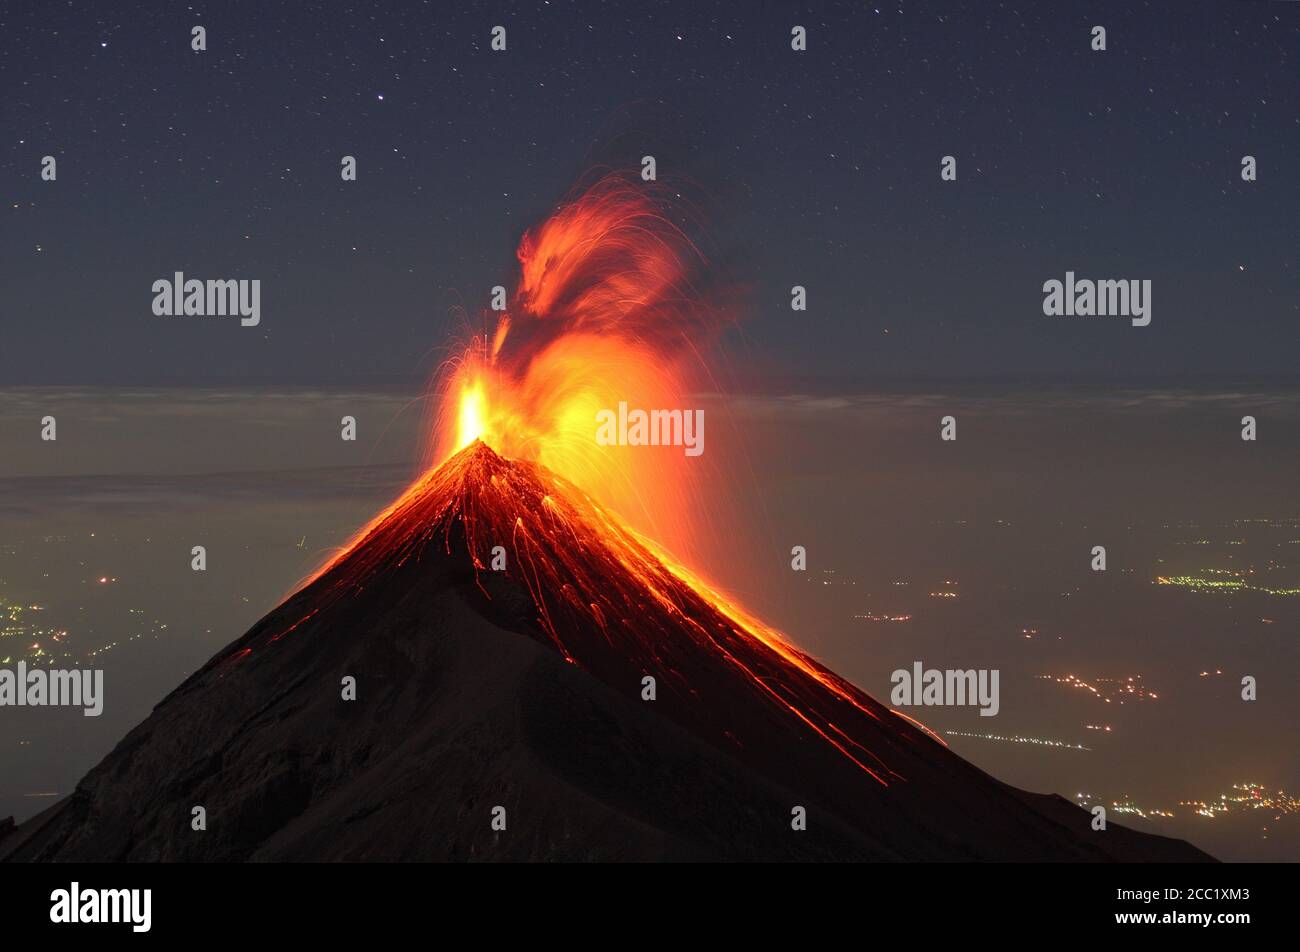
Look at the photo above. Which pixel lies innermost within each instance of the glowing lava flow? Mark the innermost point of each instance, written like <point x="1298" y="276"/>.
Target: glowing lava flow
<point x="609" y="306"/>
<point x="605" y="310"/>
<point x="608" y="599"/>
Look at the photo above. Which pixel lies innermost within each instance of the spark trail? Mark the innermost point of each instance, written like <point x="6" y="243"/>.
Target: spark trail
<point x="606" y="308"/>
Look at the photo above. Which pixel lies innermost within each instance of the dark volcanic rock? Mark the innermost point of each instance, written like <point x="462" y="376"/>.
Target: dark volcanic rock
<point x="522" y="690"/>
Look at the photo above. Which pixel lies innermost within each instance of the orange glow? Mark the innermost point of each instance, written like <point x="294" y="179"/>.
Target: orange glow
<point x="605" y="311"/>
<point x="608" y="598"/>
<point x="473" y="414"/>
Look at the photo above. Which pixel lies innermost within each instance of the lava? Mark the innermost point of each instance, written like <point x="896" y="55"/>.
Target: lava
<point x="609" y="599"/>
<point x="606" y="311"/>
<point x="612" y="305"/>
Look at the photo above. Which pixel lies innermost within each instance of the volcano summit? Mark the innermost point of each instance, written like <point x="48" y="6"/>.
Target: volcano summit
<point x="516" y="695"/>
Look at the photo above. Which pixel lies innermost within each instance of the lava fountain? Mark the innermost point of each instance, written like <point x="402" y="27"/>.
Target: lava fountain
<point x="607" y="309"/>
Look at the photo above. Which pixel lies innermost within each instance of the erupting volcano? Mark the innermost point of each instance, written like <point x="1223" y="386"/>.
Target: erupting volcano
<point x="504" y="620"/>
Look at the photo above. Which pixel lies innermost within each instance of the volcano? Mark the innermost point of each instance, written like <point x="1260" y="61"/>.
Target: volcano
<point x="522" y="684"/>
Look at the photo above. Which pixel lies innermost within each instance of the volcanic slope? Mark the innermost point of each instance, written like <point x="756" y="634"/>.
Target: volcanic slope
<point x="522" y="689"/>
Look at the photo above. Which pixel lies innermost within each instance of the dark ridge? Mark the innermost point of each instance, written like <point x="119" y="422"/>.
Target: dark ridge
<point x="522" y="689"/>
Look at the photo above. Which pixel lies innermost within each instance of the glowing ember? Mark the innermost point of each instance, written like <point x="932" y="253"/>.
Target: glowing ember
<point x="604" y="312"/>
<point x="608" y="307"/>
<point x="609" y="599"/>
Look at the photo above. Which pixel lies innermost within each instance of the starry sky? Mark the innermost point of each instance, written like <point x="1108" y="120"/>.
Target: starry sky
<point x="818" y="168"/>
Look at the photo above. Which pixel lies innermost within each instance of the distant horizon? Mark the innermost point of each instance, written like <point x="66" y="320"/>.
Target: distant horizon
<point x="748" y="383"/>
<point x="940" y="338"/>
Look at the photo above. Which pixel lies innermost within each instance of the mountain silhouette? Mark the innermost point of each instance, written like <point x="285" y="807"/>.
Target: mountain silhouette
<point x="513" y="645"/>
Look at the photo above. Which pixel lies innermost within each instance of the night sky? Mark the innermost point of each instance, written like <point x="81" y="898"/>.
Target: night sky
<point x="818" y="168"/>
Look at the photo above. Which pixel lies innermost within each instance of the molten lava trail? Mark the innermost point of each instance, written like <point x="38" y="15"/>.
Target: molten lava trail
<point x="607" y="308"/>
<point x="614" y="302"/>
<point x="608" y="599"/>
